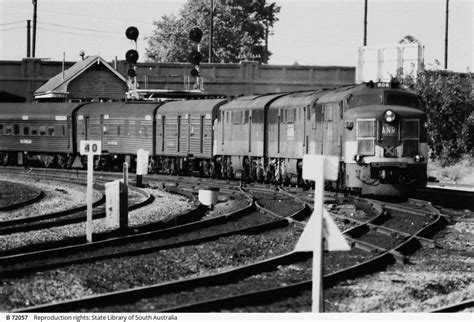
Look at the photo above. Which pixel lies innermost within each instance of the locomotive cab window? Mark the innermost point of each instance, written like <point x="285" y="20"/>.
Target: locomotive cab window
<point x="365" y="133"/>
<point x="365" y="99"/>
<point x="402" y="100"/>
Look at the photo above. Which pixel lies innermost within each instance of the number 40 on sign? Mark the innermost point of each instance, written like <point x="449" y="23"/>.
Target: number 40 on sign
<point x="89" y="147"/>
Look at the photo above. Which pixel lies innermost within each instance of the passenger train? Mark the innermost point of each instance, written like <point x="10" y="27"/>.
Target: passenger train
<point x="377" y="129"/>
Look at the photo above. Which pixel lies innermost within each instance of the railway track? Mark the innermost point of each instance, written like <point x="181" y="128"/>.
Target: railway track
<point x="238" y="292"/>
<point x="377" y="260"/>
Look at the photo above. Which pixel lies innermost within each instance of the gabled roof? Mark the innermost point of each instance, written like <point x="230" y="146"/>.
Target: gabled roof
<point x="57" y="85"/>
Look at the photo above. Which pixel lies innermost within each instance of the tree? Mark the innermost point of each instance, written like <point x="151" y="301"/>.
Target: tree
<point x="240" y="31"/>
<point x="450" y="113"/>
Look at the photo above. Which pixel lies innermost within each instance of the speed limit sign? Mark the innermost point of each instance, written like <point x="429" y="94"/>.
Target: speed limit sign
<point x="89" y="147"/>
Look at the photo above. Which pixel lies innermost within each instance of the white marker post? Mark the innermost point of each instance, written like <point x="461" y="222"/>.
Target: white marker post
<point x="142" y="165"/>
<point x="318" y="168"/>
<point x="90" y="148"/>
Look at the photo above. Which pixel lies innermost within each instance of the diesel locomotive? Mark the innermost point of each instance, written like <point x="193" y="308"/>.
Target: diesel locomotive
<point x="377" y="129"/>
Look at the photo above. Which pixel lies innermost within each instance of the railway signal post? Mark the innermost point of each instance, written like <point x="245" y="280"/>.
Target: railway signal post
<point x="90" y="148"/>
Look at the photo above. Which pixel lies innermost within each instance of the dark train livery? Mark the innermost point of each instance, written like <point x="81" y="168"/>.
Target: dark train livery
<point x="377" y="130"/>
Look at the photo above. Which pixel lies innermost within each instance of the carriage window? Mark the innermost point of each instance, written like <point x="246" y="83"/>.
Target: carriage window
<point x="144" y="131"/>
<point x="118" y="130"/>
<point x="16" y="129"/>
<point x="8" y="129"/>
<point x="237" y="117"/>
<point x="290" y="116"/>
<point x="1" y="128"/>
<point x="63" y="130"/>
<point x="246" y="117"/>
<point x="329" y="112"/>
<point x="34" y="130"/>
<point x="319" y="113"/>
<point x="257" y="116"/>
<point x="26" y="130"/>
<point x="51" y="130"/>
<point x="42" y="130"/>
<point x="127" y="128"/>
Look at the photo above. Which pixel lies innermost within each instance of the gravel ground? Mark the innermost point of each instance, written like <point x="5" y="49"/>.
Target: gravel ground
<point x="58" y="196"/>
<point x="435" y="278"/>
<point x="165" y="206"/>
<point x="121" y="273"/>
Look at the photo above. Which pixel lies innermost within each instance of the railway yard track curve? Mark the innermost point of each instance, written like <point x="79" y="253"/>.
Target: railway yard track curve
<point x="260" y="273"/>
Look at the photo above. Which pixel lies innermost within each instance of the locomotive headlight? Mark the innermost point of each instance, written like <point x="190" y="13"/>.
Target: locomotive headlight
<point x="425" y="125"/>
<point x="389" y="116"/>
<point x="349" y="125"/>
<point x="419" y="158"/>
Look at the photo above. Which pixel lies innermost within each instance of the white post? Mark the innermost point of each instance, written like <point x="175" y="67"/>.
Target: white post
<point x="90" y="170"/>
<point x="318" y="238"/>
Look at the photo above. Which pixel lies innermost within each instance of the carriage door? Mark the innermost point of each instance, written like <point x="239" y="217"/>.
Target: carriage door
<point x="329" y="140"/>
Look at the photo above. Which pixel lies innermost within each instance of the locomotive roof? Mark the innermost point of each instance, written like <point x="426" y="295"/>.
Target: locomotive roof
<point x="191" y="106"/>
<point x="342" y="93"/>
<point x="251" y="102"/>
<point x="338" y="94"/>
<point x="298" y="99"/>
<point x="119" y="109"/>
<point x="36" y="111"/>
<point x="372" y="110"/>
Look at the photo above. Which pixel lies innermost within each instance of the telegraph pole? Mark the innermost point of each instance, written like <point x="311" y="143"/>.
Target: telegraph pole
<point x="35" y="7"/>
<point x="446" y="37"/>
<point x="211" y="31"/>
<point x="28" y="38"/>
<point x="365" y="23"/>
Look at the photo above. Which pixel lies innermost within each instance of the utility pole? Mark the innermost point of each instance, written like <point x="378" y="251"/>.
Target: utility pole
<point x="211" y="31"/>
<point x="35" y="7"/>
<point x="446" y="37"/>
<point x="365" y="23"/>
<point x="28" y="38"/>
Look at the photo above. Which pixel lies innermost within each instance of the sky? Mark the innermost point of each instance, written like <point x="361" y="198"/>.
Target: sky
<point x="309" y="32"/>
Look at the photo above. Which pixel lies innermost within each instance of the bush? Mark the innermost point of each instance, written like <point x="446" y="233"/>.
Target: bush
<point x="450" y="113"/>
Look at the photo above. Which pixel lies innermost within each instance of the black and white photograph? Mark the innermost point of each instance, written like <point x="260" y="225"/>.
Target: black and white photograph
<point x="236" y="159"/>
